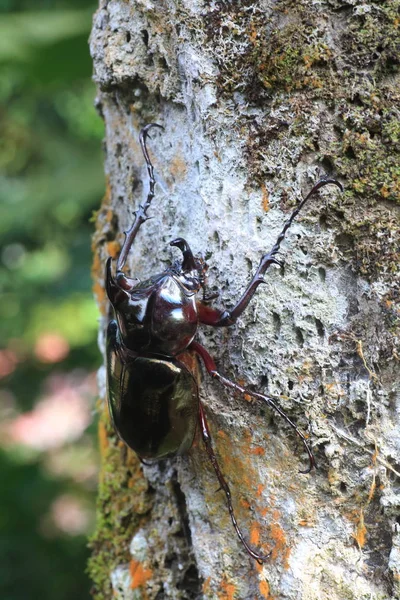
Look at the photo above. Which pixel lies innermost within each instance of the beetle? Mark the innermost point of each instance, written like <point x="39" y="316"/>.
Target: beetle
<point x="151" y="386"/>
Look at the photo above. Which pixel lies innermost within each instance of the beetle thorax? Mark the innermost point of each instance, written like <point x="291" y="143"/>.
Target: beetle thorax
<point x="160" y="318"/>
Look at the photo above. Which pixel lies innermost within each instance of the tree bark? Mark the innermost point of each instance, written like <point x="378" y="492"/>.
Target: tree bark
<point x="259" y="99"/>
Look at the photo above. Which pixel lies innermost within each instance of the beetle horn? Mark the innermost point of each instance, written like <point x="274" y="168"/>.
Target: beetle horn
<point x="188" y="264"/>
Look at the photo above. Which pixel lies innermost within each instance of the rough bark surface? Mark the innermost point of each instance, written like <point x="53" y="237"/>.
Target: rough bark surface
<point x="259" y="99"/>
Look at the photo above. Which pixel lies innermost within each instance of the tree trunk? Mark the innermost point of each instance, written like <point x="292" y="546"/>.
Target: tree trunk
<point x="259" y="99"/>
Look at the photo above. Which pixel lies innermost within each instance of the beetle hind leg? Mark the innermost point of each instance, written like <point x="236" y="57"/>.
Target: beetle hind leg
<point x="205" y="432"/>
<point x="212" y="370"/>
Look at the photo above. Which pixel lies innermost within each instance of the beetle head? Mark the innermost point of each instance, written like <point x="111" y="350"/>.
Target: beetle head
<point x="192" y="270"/>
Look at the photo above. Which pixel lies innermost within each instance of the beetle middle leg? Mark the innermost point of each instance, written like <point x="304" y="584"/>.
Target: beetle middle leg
<point x="222" y="318"/>
<point x="212" y="370"/>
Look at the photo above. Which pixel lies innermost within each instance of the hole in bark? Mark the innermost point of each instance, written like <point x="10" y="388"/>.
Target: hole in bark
<point x="290" y="385"/>
<point x="322" y="222"/>
<point x="170" y="559"/>
<point x="299" y="336"/>
<point x="344" y="240"/>
<point x="145" y="37"/>
<point x="181" y="505"/>
<point x="322" y="274"/>
<point x="350" y="153"/>
<point x="327" y="164"/>
<point x="191" y="583"/>
<point x="320" y="328"/>
<point x="277" y="324"/>
<point x="128" y="36"/>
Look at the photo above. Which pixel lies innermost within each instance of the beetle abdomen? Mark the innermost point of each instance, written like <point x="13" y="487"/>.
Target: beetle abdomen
<point x="153" y="402"/>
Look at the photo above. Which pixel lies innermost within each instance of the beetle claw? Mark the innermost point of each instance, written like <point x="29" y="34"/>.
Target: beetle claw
<point x="276" y="261"/>
<point x="144" y="133"/>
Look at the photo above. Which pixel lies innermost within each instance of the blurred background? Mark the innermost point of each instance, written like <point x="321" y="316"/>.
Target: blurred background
<point x="51" y="182"/>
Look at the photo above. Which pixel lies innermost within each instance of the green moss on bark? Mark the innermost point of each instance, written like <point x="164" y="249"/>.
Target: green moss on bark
<point x="124" y="502"/>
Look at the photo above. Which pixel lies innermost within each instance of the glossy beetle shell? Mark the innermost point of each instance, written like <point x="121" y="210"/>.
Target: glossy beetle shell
<point x="153" y="400"/>
<point x="159" y="315"/>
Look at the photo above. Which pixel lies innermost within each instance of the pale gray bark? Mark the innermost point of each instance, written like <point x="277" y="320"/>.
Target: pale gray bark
<point x="258" y="100"/>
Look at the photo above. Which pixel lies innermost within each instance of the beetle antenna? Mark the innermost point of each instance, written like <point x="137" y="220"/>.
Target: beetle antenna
<point x="140" y="214"/>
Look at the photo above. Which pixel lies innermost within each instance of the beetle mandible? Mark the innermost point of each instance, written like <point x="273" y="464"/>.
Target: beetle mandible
<point x="152" y="392"/>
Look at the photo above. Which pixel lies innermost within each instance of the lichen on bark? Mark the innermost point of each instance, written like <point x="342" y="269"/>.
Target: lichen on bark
<point x="258" y="100"/>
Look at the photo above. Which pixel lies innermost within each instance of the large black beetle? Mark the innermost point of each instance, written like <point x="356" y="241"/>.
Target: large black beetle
<point x="152" y="390"/>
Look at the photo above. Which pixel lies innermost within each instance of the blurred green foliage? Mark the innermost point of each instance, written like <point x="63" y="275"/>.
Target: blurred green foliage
<point x="51" y="179"/>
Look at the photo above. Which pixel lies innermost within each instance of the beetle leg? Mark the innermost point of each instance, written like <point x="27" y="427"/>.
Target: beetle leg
<point x="140" y="214"/>
<point x="205" y="432"/>
<point x="212" y="370"/>
<point x="221" y="318"/>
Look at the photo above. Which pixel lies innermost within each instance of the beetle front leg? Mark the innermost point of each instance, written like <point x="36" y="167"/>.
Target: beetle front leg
<point x="205" y="432"/>
<point x="222" y="318"/>
<point x="212" y="370"/>
<point x="140" y="214"/>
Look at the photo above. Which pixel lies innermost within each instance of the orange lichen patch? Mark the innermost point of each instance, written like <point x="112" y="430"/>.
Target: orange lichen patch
<point x="276" y="514"/>
<point x="245" y="503"/>
<point x="372" y="490"/>
<point x="255" y="534"/>
<point x="360" y="534"/>
<point x="100" y="294"/>
<point x="109" y="215"/>
<point x="253" y="33"/>
<point x="257" y="451"/>
<point x="333" y="476"/>
<point x="260" y="489"/>
<point x="265" y="590"/>
<point x="113" y="249"/>
<point x="139" y="574"/>
<point x="103" y="438"/>
<point x="98" y="288"/>
<point x="177" y="167"/>
<point x="221" y="434"/>
<point x="104" y="213"/>
<point x="228" y="592"/>
<point x="206" y="585"/>
<point x="286" y="556"/>
<point x="265" y="198"/>
<point x="308" y="61"/>
<point x="281" y="547"/>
